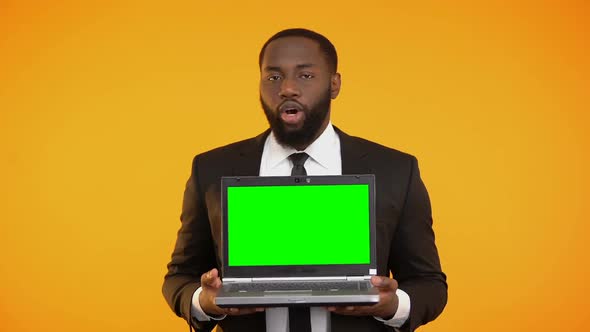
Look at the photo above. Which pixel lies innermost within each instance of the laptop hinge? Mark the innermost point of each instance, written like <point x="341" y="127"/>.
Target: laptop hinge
<point x="358" y="278"/>
<point x="234" y="280"/>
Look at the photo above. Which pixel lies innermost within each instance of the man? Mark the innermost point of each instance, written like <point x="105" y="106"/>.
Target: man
<point x="298" y="79"/>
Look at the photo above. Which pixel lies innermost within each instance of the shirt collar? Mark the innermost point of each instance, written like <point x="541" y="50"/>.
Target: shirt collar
<point x="324" y="150"/>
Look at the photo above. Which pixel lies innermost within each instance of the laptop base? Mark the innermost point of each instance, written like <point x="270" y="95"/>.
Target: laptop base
<point x="297" y="299"/>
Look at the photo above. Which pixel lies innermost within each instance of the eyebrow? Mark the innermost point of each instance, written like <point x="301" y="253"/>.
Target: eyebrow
<point x="300" y="66"/>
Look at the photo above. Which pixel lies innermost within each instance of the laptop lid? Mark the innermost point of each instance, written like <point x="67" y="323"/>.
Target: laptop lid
<point x="303" y="226"/>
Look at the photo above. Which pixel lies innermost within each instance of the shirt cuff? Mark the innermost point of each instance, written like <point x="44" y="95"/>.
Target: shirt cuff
<point x="196" y="310"/>
<point x="403" y="310"/>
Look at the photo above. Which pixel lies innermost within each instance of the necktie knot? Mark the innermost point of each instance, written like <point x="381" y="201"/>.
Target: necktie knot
<point x="298" y="160"/>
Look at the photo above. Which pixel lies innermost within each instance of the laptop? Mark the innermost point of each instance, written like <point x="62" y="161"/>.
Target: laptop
<point x="298" y="241"/>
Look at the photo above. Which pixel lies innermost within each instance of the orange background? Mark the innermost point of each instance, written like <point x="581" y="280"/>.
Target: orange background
<point x="103" y="105"/>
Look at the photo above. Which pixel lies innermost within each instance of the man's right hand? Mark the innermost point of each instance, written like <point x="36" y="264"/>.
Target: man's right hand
<point x="210" y="285"/>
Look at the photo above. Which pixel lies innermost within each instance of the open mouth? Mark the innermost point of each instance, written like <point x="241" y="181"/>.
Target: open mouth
<point x="290" y="107"/>
<point x="291" y="112"/>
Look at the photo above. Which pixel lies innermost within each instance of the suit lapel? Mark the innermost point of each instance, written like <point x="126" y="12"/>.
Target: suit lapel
<point x="250" y="156"/>
<point x="354" y="157"/>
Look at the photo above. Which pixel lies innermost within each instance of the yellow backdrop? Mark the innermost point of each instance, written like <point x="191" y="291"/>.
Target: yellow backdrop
<point x="104" y="103"/>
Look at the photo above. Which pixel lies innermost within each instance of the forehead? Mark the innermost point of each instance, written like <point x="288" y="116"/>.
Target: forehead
<point x="292" y="51"/>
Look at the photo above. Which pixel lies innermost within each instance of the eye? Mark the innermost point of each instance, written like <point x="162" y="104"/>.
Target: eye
<point x="307" y="76"/>
<point x="274" y="78"/>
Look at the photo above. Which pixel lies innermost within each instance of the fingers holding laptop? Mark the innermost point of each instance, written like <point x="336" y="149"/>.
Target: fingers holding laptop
<point x="385" y="308"/>
<point x="210" y="285"/>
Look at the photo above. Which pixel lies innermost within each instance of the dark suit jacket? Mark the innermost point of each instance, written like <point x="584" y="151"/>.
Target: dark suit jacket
<point x="405" y="239"/>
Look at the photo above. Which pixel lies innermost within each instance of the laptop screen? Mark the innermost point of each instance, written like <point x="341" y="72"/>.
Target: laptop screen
<point x="280" y="225"/>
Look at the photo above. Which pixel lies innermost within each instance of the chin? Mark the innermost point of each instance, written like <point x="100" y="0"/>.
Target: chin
<point x="292" y="128"/>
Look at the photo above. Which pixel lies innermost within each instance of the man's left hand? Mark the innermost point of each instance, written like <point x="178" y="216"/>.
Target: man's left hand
<point x="385" y="308"/>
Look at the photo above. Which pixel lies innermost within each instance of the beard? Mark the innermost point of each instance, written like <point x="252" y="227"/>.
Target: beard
<point x="304" y="136"/>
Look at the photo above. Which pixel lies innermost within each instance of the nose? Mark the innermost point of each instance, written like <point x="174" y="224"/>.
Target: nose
<point x="289" y="89"/>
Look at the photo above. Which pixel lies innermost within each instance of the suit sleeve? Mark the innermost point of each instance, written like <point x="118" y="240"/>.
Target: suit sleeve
<point x="193" y="254"/>
<point x="414" y="258"/>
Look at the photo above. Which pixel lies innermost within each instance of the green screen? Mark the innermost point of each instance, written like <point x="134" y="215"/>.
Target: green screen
<point x="298" y="225"/>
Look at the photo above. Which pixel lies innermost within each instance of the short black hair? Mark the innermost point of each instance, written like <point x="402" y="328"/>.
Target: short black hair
<point x="326" y="46"/>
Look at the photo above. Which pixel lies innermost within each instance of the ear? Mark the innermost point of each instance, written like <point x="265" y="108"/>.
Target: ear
<point x="335" y="83"/>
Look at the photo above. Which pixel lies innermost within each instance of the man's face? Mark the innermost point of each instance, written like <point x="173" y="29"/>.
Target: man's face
<point x="296" y="88"/>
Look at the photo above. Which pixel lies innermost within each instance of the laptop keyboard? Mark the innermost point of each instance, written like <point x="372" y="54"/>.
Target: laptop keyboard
<point x="299" y="286"/>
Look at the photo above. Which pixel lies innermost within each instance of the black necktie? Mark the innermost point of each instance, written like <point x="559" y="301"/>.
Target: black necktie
<point x="298" y="160"/>
<point x="299" y="320"/>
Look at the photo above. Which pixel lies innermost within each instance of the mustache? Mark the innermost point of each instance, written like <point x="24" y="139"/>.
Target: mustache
<point x="291" y="101"/>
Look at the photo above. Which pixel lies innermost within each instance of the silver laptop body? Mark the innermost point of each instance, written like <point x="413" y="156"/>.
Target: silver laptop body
<point x="298" y="241"/>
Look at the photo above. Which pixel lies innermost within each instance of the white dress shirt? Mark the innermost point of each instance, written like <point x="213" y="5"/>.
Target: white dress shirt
<point x="324" y="159"/>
